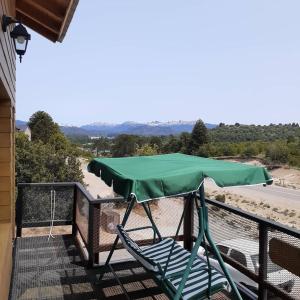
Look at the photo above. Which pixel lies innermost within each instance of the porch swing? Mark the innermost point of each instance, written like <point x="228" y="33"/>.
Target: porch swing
<point x="181" y="274"/>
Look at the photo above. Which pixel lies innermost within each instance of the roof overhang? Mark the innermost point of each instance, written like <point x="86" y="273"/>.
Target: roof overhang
<point x="50" y="18"/>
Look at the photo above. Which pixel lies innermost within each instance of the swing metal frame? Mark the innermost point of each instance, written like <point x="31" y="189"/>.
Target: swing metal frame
<point x="203" y="236"/>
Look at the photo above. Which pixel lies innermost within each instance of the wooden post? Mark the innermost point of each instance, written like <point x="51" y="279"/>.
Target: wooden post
<point x="93" y="233"/>
<point x="74" y="225"/>
<point x="19" y="211"/>
<point x="263" y="262"/>
<point x="188" y="223"/>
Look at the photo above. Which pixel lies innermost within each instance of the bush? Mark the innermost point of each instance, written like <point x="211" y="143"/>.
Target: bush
<point x="147" y="150"/>
<point x="278" y="153"/>
<point x="221" y="198"/>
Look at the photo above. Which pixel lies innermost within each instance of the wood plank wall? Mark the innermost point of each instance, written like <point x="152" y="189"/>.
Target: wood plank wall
<point x="7" y="149"/>
<point x="6" y="160"/>
<point x="7" y="53"/>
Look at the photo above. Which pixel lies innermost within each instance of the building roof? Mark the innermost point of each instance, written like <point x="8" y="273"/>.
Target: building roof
<point x="50" y="18"/>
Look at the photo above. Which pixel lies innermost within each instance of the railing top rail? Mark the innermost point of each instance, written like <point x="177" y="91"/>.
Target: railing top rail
<point x="46" y="184"/>
<point x="109" y="200"/>
<point x="92" y="200"/>
<point x="260" y="220"/>
<point x="84" y="191"/>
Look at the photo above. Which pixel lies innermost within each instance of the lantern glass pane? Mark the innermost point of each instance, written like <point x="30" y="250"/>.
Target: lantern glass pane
<point x="20" y="46"/>
<point x="21" y="39"/>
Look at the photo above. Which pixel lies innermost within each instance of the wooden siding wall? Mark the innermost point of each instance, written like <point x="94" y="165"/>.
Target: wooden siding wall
<point x="7" y="149"/>
<point x="7" y="53"/>
<point x="6" y="161"/>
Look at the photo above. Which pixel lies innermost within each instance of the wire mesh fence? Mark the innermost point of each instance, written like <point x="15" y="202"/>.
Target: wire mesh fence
<point x="225" y="226"/>
<point x="166" y="215"/>
<point x="40" y="201"/>
<point x="283" y="266"/>
<point x="82" y="215"/>
<point x="238" y="238"/>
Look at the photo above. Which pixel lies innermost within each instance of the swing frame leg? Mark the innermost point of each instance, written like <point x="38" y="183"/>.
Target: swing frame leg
<point x="149" y="215"/>
<point x="216" y="252"/>
<point x="194" y="253"/>
<point x="113" y="248"/>
<point x="204" y="232"/>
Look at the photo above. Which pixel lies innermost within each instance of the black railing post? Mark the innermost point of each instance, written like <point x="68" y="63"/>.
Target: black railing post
<point x="19" y="211"/>
<point x="97" y="213"/>
<point x="93" y="234"/>
<point x="188" y="223"/>
<point x="74" y="226"/>
<point x="263" y="262"/>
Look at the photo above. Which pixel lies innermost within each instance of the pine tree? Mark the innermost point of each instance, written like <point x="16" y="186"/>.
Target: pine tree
<point x="199" y="137"/>
<point x="42" y="126"/>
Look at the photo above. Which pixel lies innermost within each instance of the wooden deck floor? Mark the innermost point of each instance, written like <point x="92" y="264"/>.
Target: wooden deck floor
<point x="45" y="270"/>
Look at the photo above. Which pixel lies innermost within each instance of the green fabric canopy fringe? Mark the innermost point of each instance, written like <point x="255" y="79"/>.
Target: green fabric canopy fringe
<point x="159" y="176"/>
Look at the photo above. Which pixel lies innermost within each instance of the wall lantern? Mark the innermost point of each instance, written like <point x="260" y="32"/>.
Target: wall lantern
<point x="19" y="35"/>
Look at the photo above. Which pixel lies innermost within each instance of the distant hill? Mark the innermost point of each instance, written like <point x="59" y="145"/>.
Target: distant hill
<point x="21" y="124"/>
<point x="73" y="131"/>
<point x="146" y="129"/>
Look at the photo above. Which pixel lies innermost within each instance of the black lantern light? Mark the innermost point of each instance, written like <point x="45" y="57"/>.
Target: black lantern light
<point x="19" y="35"/>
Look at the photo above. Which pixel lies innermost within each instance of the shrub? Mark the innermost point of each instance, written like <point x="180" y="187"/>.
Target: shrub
<point x="220" y="198"/>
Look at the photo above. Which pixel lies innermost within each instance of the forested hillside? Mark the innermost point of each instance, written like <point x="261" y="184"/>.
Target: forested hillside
<point x="243" y="133"/>
<point x="273" y="144"/>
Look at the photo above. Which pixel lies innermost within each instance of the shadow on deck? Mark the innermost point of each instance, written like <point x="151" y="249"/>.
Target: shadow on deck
<point x="54" y="270"/>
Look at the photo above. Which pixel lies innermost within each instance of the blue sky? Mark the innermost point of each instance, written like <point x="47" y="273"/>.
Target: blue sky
<point x="222" y="61"/>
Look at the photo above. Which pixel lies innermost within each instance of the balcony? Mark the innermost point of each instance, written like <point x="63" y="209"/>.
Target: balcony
<point x="68" y="265"/>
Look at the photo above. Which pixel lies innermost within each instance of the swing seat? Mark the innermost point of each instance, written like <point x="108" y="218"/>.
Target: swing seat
<point x="154" y="258"/>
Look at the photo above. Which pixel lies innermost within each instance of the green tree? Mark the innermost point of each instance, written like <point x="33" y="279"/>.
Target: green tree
<point x="199" y="137"/>
<point x="146" y="150"/>
<point x="227" y="149"/>
<point x="184" y="140"/>
<point x="173" y="145"/>
<point x="102" y="145"/>
<point x="39" y="162"/>
<point x="156" y="140"/>
<point x="124" y="145"/>
<point x="42" y="126"/>
<point x="59" y="142"/>
<point x="250" y="150"/>
<point x="277" y="152"/>
<point x="49" y="157"/>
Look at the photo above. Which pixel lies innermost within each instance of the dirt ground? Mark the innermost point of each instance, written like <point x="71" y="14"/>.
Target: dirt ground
<point x="287" y="177"/>
<point x="267" y="208"/>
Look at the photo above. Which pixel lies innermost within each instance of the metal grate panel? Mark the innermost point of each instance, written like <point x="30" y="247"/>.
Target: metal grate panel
<point x="280" y="260"/>
<point x="53" y="270"/>
<point x="36" y="202"/>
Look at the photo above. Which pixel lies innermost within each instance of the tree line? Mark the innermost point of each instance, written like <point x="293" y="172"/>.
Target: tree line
<point x="51" y="157"/>
<point x="274" y="144"/>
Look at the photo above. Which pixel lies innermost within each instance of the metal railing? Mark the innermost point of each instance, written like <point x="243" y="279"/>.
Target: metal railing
<point x="269" y="241"/>
<point x="76" y="207"/>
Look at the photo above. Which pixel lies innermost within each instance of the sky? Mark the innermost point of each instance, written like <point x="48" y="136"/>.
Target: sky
<point x="221" y="61"/>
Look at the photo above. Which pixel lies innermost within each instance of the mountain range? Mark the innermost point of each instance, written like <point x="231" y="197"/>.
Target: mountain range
<point x="111" y="129"/>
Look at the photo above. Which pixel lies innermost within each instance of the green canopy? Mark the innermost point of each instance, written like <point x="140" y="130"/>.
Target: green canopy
<point x="152" y="177"/>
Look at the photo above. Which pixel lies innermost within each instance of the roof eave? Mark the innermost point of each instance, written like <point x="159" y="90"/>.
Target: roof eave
<point x="68" y="18"/>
